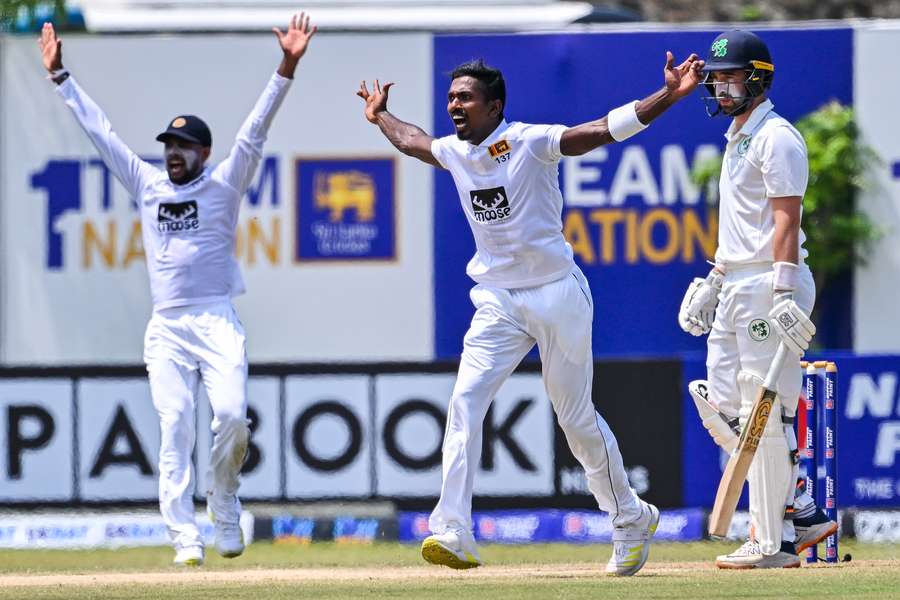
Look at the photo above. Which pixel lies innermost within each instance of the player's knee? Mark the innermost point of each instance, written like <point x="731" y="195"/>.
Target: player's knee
<point x="232" y="424"/>
<point x="174" y="461"/>
<point x="576" y="423"/>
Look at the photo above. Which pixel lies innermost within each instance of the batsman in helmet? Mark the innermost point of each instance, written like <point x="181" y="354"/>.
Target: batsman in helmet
<point x="759" y="293"/>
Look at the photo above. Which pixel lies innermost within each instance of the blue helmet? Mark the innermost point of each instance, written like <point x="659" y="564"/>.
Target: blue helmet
<point x="738" y="50"/>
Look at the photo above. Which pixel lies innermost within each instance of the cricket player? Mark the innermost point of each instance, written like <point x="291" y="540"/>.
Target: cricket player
<point x="188" y="218"/>
<point x="529" y="290"/>
<point x="759" y="292"/>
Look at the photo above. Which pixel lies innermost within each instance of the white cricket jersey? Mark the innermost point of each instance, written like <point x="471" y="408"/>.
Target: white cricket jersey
<point x="765" y="159"/>
<point x="188" y="230"/>
<point x="509" y="189"/>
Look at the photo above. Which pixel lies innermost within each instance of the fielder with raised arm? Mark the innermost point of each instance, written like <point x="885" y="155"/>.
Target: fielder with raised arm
<point x="188" y="218"/>
<point x="759" y="292"/>
<point x="529" y="291"/>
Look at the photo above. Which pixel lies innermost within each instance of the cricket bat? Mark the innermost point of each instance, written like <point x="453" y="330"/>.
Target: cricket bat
<point x="735" y="472"/>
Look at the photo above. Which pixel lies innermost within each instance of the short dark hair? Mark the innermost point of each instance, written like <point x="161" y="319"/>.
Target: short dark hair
<point x="491" y="79"/>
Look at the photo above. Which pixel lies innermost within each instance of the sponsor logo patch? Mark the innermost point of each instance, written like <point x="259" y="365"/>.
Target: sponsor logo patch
<point x="787" y="320"/>
<point x="490" y="205"/>
<point x="173" y="217"/>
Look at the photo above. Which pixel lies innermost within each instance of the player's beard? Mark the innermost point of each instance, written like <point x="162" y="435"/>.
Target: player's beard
<point x="190" y="167"/>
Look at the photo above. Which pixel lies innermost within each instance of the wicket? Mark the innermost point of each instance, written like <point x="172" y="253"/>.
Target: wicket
<point x="819" y="458"/>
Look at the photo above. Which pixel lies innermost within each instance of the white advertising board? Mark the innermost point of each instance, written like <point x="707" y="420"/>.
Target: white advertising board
<point x="328" y="436"/>
<point x="876" y="320"/>
<point x="36" y="440"/>
<point x="517" y="440"/>
<point x="118" y="440"/>
<point x="335" y="233"/>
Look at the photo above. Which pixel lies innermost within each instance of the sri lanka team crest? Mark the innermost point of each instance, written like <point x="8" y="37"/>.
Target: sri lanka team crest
<point x="500" y="148"/>
<point x="345" y="209"/>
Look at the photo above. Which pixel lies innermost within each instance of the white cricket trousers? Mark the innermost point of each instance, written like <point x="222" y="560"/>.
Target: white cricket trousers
<point x="507" y="323"/>
<point x="743" y="339"/>
<point x="184" y="346"/>
<point x="738" y="342"/>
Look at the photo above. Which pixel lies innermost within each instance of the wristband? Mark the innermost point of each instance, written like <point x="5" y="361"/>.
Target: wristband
<point x="715" y="279"/>
<point x="720" y="267"/>
<point x="61" y="74"/>
<point x="623" y="122"/>
<point x="785" y="276"/>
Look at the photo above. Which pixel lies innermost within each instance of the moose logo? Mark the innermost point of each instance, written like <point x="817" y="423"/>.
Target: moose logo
<point x="491" y="205"/>
<point x="178" y="216"/>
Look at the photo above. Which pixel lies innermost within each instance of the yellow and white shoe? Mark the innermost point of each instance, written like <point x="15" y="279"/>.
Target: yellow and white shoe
<point x="631" y="543"/>
<point x="189" y="556"/>
<point x="455" y="548"/>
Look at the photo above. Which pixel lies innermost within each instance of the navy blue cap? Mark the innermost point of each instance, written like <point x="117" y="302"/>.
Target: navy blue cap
<point x="738" y="49"/>
<point x="189" y="128"/>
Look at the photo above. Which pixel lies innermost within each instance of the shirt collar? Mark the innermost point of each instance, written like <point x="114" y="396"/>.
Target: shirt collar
<point x="758" y="115"/>
<point x="495" y="135"/>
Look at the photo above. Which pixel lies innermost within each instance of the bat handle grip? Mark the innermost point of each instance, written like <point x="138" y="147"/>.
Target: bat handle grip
<point x="781" y="355"/>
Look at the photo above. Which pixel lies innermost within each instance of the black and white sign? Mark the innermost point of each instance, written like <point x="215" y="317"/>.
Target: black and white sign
<point x="36" y="440"/>
<point x="118" y="440"/>
<point x="410" y="412"/>
<point x="328" y="446"/>
<point x="517" y="440"/>
<point x="324" y="436"/>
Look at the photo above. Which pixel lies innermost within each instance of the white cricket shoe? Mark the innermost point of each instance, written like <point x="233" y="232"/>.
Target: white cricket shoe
<point x="455" y="548"/>
<point x="188" y="556"/>
<point x="631" y="543"/>
<point x="744" y="557"/>
<point x="750" y="556"/>
<point x="225" y="513"/>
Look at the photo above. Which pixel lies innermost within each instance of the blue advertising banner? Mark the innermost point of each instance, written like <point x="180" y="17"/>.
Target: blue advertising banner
<point x="585" y="527"/>
<point x="868" y="435"/>
<point x="345" y="209"/>
<point x="640" y="228"/>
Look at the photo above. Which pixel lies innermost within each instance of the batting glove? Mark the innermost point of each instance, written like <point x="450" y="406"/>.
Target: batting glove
<point x="698" y="307"/>
<point x="793" y="325"/>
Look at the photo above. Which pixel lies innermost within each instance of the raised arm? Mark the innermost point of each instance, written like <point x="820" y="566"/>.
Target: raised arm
<point x="124" y="164"/>
<point x="625" y="121"/>
<point x="240" y="166"/>
<point x="406" y="137"/>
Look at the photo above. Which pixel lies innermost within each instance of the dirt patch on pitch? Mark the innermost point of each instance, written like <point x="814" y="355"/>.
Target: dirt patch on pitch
<point x="345" y="574"/>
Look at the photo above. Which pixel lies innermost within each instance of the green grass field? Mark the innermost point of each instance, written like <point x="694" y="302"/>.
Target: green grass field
<point x="388" y="570"/>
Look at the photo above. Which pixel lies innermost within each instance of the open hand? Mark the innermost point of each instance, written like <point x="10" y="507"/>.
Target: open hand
<point x="376" y="102"/>
<point x="683" y="79"/>
<point x="295" y="41"/>
<point x="51" y="48"/>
